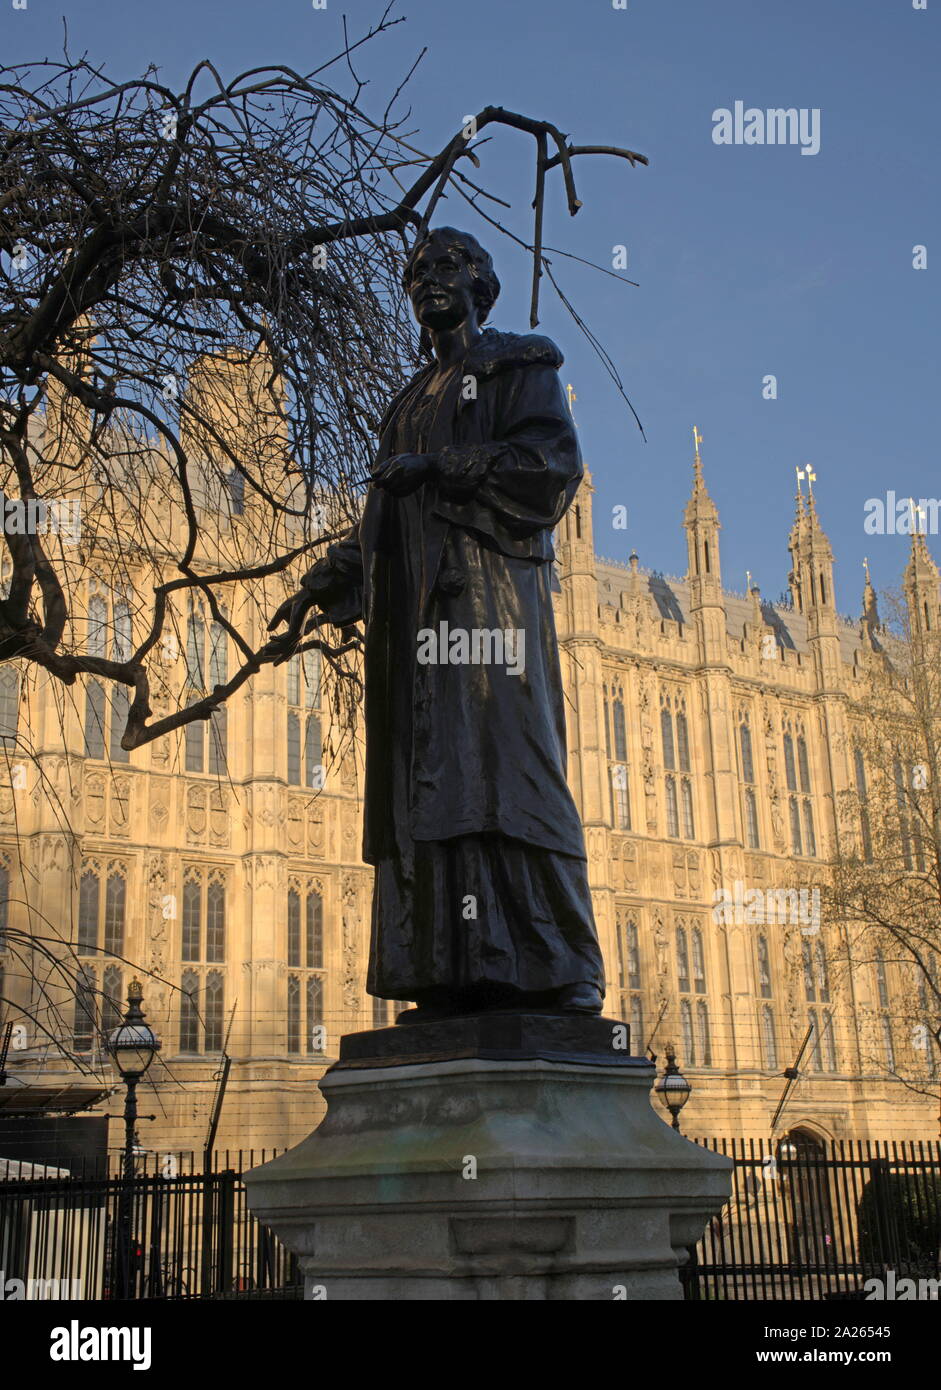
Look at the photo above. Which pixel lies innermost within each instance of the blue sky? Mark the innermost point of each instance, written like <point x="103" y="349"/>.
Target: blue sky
<point x="751" y="260"/>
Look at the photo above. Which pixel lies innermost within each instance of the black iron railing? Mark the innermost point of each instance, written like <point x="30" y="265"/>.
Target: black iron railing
<point x="191" y="1235"/>
<point x="821" y="1221"/>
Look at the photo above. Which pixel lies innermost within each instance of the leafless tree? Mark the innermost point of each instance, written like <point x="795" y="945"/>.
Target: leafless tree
<point x="886" y="886"/>
<point x="160" y="249"/>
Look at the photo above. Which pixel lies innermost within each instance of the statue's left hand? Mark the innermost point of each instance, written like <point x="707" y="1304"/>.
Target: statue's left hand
<point x="293" y="611"/>
<point x="404" y="473"/>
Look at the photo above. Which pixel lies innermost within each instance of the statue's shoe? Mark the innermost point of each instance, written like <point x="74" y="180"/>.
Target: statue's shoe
<point x="580" y="999"/>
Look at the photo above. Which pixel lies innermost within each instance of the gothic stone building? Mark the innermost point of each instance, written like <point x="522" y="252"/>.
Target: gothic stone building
<point x="707" y="747"/>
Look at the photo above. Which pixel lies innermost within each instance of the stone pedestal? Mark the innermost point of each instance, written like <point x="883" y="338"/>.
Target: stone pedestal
<point x="505" y="1156"/>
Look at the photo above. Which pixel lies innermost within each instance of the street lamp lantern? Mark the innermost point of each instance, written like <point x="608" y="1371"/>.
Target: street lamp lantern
<point x="672" y="1087"/>
<point x="133" y="1044"/>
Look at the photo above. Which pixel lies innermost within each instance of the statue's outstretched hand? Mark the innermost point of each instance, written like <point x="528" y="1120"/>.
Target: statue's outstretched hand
<point x="292" y="611"/>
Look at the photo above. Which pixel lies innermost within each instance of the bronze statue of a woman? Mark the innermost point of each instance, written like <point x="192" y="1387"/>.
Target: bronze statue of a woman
<point x="481" y="895"/>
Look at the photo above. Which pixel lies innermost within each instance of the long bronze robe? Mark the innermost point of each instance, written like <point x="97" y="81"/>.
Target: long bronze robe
<point x="481" y="888"/>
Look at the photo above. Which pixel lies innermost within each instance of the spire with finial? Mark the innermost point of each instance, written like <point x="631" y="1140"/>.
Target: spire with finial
<point x="921" y="580"/>
<point x="701" y="521"/>
<point x="700" y="506"/>
<point x="870" y="603"/>
<point x="811" y="577"/>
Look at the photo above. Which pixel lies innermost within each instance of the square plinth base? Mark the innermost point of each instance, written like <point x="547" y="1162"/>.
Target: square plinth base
<point x="511" y="1177"/>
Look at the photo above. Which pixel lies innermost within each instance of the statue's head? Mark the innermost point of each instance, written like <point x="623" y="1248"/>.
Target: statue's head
<point x="449" y="276"/>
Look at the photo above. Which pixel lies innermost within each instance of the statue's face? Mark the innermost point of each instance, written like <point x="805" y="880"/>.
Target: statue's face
<point x="441" y="288"/>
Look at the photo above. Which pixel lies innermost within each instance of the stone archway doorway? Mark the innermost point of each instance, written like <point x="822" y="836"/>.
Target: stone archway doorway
<point x="805" y="1172"/>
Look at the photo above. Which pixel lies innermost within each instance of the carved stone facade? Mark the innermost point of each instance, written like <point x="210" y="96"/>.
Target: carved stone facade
<point x="249" y="890"/>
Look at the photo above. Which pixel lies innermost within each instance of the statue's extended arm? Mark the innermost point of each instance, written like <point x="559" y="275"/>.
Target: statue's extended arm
<point x="334" y="585"/>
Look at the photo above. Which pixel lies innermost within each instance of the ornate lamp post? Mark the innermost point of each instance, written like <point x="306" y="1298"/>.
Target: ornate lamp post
<point x="133" y="1046"/>
<point x="674" y="1090"/>
<point x="672" y="1087"/>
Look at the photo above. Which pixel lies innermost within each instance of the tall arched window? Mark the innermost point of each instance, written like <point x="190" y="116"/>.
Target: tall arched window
<point x="101" y="930"/>
<point x="9" y="706"/>
<point x="294" y="1014"/>
<point x="305" y="956"/>
<point x="115" y="900"/>
<point x="800" y="805"/>
<point x="202" y="941"/>
<point x="810" y="839"/>
<point x="313" y="753"/>
<point x="699" y="963"/>
<point x="235" y="485"/>
<point x="633" y="956"/>
<point x="620" y="797"/>
<point x="314" y="931"/>
<point x="628" y="953"/>
<point x="748" y="762"/>
<point x="97" y="645"/>
<point x="790" y="770"/>
<point x="682" y="741"/>
<point x="905" y="825"/>
<point x="673" y="820"/>
<point x="304" y="732"/>
<point x="294" y="927"/>
<point x="752" y="833"/>
<point x="666" y="736"/>
<point x="690" y="950"/>
<point x="682" y="961"/>
<point x="620" y="728"/>
<point x="686" y="794"/>
<point x="674" y="737"/>
<point x="803" y="764"/>
<point x="702" y="1027"/>
<point x="189" y="1012"/>
<point x="94" y="720"/>
<point x="616" y="746"/>
<point x="89" y="892"/>
<point x="85" y="1018"/>
<point x="686" y="1023"/>
<point x="112" y="1003"/>
<point x="314" y="1013"/>
<point x="218" y="675"/>
<point x="121" y="648"/>
<point x="192" y="918"/>
<point x="829" y="1042"/>
<point x="294" y="749"/>
<point x="214" y="1011"/>
<point x="215" y="920"/>
<point x="749" y="788"/>
<point x="205" y="669"/>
